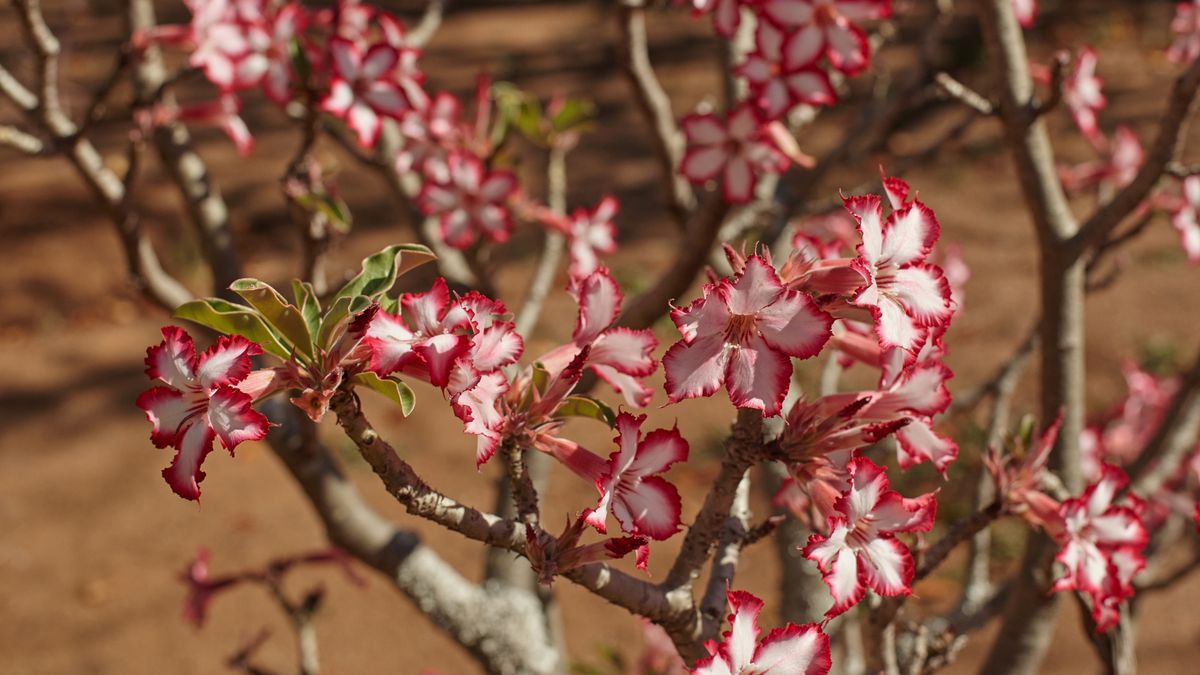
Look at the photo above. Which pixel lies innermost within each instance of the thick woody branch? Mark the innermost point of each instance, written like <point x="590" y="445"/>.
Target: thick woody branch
<point x="1029" y="614"/>
<point x="725" y="562"/>
<point x="655" y="105"/>
<point x="402" y="482"/>
<point x="205" y="206"/>
<point x="743" y="449"/>
<point x="499" y="626"/>
<point x="1172" y="132"/>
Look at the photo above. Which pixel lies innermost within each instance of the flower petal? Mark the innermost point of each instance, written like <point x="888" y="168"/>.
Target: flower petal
<point x="174" y="359"/>
<point x="793" y="325"/>
<point x="650" y="509"/>
<point x="184" y="474"/>
<point x="234" y="419"/>
<point x="758" y="377"/>
<point x="167" y="409"/>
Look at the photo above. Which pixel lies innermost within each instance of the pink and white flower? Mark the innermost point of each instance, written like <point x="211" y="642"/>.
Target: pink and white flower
<point x="469" y="201"/>
<point x="1186" y="219"/>
<point x="619" y="356"/>
<point x="590" y="232"/>
<point x="1083" y="93"/>
<point x="790" y="650"/>
<point x="1102" y="545"/>
<point x="430" y="134"/>
<point x="641" y="500"/>
<point x="861" y="550"/>
<point x="727" y="15"/>
<point x="363" y="87"/>
<point x="780" y="77"/>
<point x="827" y="28"/>
<point x="743" y="334"/>
<point x="1123" y="157"/>
<point x="906" y="295"/>
<point x="437" y="335"/>
<point x="1186" y="26"/>
<point x="738" y="149"/>
<point x="225" y="112"/>
<point x="201" y="400"/>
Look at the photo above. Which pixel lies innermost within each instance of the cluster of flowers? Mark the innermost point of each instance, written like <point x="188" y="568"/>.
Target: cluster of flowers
<point x="354" y="62"/>
<point x="1101" y="540"/>
<point x="1121" y="434"/>
<point x="887" y="307"/>
<point x="1122" y="155"/>
<point x="797" y="43"/>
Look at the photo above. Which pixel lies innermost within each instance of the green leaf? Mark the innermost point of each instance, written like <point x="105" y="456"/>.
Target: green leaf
<point x="283" y="316"/>
<point x="334" y="322"/>
<point x="381" y="270"/>
<point x="232" y="319"/>
<point x="540" y="377"/>
<point x="394" y="389"/>
<point x="575" y="114"/>
<point x="333" y="209"/>
<point x="299" y="59"/>
<point x="310" y="305"/>
<point x="585" y="406"/>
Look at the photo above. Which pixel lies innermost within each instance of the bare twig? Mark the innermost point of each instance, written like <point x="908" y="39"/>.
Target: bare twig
<point x="552" y="247"/>
<point x="26" y="143"/>
<point x="205" y="206"/>
<point x="1058" y="70"/>
<point x="964" y="94"/>
<point x="424" y="29"/>
<point x="724" y="565"/>
<point x="743" y="449"/>
<point x="655" y="107"/>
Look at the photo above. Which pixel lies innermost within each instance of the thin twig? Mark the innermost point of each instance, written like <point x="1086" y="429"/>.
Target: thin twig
<point x="552" y="247"/>
<point x="729" y="549"/>
<point x="964" y="94"/>
<point x="655" y="106"/>
<point x="26" y="143"/>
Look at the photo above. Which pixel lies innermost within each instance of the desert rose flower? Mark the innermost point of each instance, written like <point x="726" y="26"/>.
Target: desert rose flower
<point x="468" y="200"/>
<point x="905" y="294"/>
<point x="743" y="334"/>
<point x="738" y="148"/>
<point x="861" y="550"/>
<point x="779" y="74"/>
<point x="1186" y="26"/>
<point x="790" y="650"/>
<point x="200" y="401"/>
<point x="363" y="87"/>
<point x="827" y="28"/>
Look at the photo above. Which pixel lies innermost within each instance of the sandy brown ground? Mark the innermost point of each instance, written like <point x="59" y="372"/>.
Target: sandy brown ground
<point x="91" y="540"/>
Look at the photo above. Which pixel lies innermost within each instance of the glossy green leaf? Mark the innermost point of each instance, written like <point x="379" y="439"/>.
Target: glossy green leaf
<point x="334" y="323"/>
<point x="380" y="271"/>
<point x="310" y="305"/>
<point x="233" y="319"/>
<point x="283" y="316"/>
<point x="392" y="388"/>
<point x="585" y="406"/>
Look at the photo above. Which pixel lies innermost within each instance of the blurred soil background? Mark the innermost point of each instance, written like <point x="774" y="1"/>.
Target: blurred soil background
<point x="91" y="540"/>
